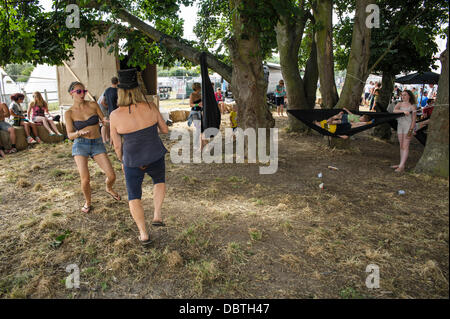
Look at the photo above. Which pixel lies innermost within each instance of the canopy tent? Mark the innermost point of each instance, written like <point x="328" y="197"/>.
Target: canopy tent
<point x="419" y="78"/>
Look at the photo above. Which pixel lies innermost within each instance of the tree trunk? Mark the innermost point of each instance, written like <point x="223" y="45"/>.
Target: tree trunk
<point x="323" y="14"/>
<point x="311" y="75"/>
<point x="249" y="85"/>
<point x="358" y="61"/>
<point x="289" y="32"/>
<point x="434" y="160"/>
<point x="384" y="131"/>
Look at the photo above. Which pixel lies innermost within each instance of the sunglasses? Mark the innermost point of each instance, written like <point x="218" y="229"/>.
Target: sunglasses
<point x="79" y="91"/>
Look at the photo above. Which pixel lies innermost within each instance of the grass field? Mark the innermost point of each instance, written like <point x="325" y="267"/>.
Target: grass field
<point x="231" y="232"/>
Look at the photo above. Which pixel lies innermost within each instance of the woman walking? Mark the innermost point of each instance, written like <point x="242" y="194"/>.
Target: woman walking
<point x="143" y="151"/>
<point x="405" y="127"/>
<point x="82" y="123"/>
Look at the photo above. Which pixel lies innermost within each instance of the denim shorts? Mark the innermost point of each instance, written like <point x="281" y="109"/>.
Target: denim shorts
<point x="135" y="175"/>
<point x="4" y="126"/>
<point x="344" y="119"/>
<point x="88" y="147"/>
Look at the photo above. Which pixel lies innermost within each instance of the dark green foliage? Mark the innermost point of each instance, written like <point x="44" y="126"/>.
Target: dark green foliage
<point x="414" y="50"/>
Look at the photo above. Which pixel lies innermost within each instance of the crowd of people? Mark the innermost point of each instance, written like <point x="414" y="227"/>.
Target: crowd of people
<point x="123" y="118"/>
<point x="36" y="114"/>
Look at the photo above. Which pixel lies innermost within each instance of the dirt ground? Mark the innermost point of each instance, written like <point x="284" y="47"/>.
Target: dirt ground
<point x="230" y="232"/>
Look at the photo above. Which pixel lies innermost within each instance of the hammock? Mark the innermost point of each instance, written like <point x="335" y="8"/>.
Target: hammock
<point x="309" y="116"/>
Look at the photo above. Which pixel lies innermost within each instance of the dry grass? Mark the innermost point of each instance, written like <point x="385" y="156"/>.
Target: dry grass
<point x="231" y="233"/>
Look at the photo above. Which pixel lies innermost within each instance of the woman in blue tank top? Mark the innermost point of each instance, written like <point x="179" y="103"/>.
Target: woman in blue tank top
<point x="82" y="124"/>
<point x="142" y="151"/>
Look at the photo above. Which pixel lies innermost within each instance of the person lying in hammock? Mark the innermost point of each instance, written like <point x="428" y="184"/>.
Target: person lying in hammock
<point x="340" y="127"/>
<point x="349" y="117"/>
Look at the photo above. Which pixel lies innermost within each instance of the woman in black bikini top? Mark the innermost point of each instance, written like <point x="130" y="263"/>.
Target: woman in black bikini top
<point x="88" y="142"/>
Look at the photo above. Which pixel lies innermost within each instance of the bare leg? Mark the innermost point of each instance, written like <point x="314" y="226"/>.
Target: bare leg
<point x="34" y="129"/>
<point x="45" y="123"/>
<point x="159" y="192"/>
<point x="12" y="135"/>
<point x="405" y="152"/>
<point x="400" y="141"/>
<point x="82" y="165"/>
<point x="26" y="127"/>
<point x="53" y="125"/>
<point x="137" y="211"/>
<point x="104" y="163"/>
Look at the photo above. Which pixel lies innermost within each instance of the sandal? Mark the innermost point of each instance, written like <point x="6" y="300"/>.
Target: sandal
<point x="158" y="223"/>
<point x="13" y="150"/>
<point x="116" y="196"/>
<point x="145" y="242"/>
<point x="85" y="209"/>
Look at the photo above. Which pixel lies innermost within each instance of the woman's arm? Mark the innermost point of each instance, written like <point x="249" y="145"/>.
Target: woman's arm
<point x="161" y="123"/>
<point x="29" y="110"/>
<point x="99" y="113"/>
<point x="46" y="111"/>
<point x="413" y="121"/>
<point x="191" y="100"/>
<point x="115" y="137"/>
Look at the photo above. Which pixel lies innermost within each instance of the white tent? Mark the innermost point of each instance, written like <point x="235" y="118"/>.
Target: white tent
<point x="43" y="79"/>
<point x="7" y="87"/>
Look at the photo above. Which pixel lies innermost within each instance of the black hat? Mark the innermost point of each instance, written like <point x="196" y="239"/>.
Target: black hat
<point x="127" y="79"/>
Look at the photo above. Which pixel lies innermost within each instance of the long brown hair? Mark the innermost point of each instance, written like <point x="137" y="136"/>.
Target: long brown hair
<point x="39" y="101"/>
<point x="126" y="97"/>
<point x="412" y="98"/>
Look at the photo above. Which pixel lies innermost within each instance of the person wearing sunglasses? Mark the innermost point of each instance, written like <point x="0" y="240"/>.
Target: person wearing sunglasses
<point x="82" y="124"/>
<point x="38" y="109"/>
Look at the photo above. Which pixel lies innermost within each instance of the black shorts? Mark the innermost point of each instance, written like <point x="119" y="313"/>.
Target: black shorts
<point x="279" y="100"/>
<point x="342" y="129"/>
<point x="135" y="175"/>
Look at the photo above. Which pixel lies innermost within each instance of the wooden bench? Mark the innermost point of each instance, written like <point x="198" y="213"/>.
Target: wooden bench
<point x="21" y="141"/>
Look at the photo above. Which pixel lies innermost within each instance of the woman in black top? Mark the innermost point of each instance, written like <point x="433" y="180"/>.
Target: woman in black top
<point x="82" y="124"/>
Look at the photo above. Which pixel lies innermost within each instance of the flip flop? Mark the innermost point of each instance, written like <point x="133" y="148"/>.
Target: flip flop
<point x="116" y="197"/>
<point x="145" y="242"/>
<point x="85" y="209"/>
<point x="158" y="224"/>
